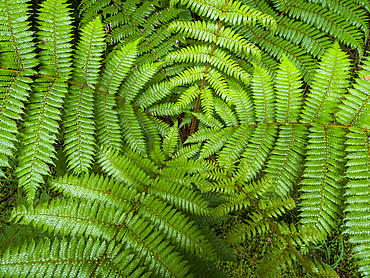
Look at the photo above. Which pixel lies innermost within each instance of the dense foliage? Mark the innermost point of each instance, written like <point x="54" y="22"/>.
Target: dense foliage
<point x="134" y="128"/>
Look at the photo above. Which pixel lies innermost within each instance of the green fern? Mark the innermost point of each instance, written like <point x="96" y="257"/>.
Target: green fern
<point x="150" y="127"/>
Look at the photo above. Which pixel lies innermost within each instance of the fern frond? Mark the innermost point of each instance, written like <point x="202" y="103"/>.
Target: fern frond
<point x="42" y="112"/>
<point x="154" y="94"/>
<point x="136" y="81"/>
<point x="225" y="113"/>
<point x="357" y="213"/>
<point x="130" y="127"/>
<point x="201" y="135"/>
<point x="78" y="117"/>
<point x="156" y="252"/>
<point x="328" y="87"/>
<point x="17" y="56"/>
<point x="70" y="257"/>
<point x="55" y="15"/>
<point x="286" y="160"/>
<point x="187" y="97"/>
<point x="323" y="178"/>
<point x="354" y="110"/>
<point x="168" y="109"/>
<point x="241" y="98"/>
<point x="275" y="46"/>
<point x="300" y="235"/>
<point x="216" y="142"/>
<point x="186" y="152"/>
<point x="208" y="31"/>
<point x="235" y="203"/>
<point x="121" y="168"/>
<point x="94" y="220"/>
<point x="171" y="140"/>
<point x="176" y="226"/>
<point x="188" y="76"/>
<point x="208" y="121"/>
<point x="329" y="22"/>
<point x="236" y="144"/>
<point x="220" y="60"/>
<point x="310" y="39"/>
<point x="275" y="207"/>
<point x="207" y="101"/>
<point x="117" y="67"/>
<point x="234" y="12"/>
<point x="263" y="95"/>
<point x="256" y="152"/>
<point x="39" y="131"/>
<point x="255" y="225"/>
<point x="288" y="92"/>
<point x="16" y="37"/>
<point x="183" y="198"/>
<point x="97" y="189"/>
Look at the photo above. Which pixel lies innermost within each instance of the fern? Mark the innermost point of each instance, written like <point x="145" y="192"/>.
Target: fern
<point x="147" y="126"/>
